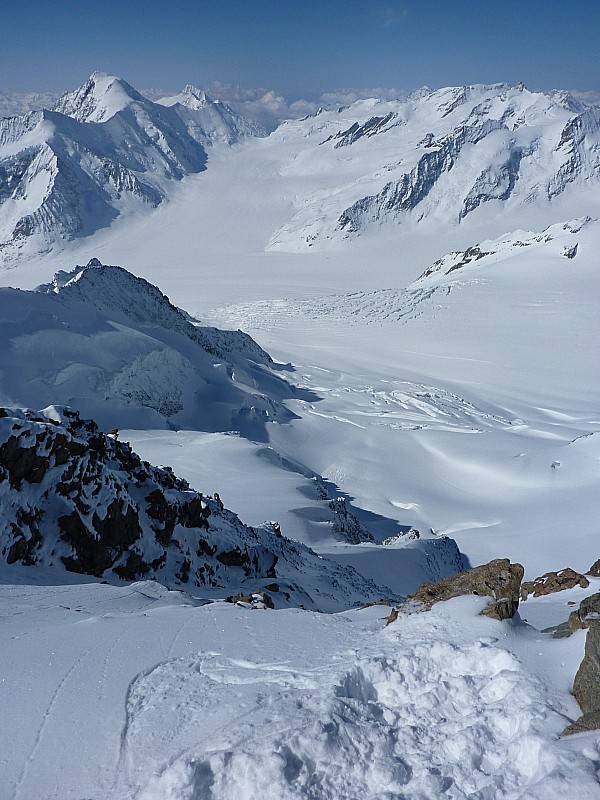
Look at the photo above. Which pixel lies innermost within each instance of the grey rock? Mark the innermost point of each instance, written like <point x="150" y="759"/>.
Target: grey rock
<point x="588" y="611"/>
<point x="586" y="722"/>
<point x="586" y="686"/>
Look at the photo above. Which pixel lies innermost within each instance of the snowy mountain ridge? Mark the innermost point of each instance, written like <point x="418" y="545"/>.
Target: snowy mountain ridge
<point x="104" y="150"/>
<point x="114" y="346"/>
<point x="437" y="158"/>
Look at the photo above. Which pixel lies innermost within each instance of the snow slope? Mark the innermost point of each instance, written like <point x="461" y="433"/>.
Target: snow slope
<point x="221" y="701"/>
<point x="113" y="346"/>
<point x="468" y="399"/>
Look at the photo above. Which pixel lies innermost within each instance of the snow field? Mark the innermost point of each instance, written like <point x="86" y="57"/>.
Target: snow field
<point x="408" y="712"/>
<point x="217" y="701"/>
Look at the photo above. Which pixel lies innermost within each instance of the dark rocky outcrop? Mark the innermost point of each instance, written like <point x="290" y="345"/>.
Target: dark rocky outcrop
<point x="586" y="686"/>
<point x="258" y="599"/>
<point x="74" y="498"/>
<point x="552" y="582"/>
<point x="499" y="579"/>
<point x="585" y="723"/>
<point x="594" y="570"/>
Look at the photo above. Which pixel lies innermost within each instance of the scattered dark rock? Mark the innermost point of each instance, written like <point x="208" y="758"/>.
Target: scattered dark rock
<point x="78" y="499"/>
<point x="133" y="567"/>
<point x="570" y="252"/>
<point x="257" y="599"/>
<point x="553" y="582"/>
<point x="233" y="558"/>
<point x="22" y="462"/>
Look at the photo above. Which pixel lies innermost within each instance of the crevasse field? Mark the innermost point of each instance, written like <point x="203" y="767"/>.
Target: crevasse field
<point x="451" y="391"/>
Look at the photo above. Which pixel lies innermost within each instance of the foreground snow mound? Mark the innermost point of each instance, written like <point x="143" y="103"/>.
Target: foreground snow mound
<point x="113" y="346"/>
<point x="417" y="714"/>
<point x="78" y="500"/>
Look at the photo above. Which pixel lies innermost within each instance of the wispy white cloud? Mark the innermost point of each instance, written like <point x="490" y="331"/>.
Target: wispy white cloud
<point x="391" y="17"/>
<point x="590" y="98"/>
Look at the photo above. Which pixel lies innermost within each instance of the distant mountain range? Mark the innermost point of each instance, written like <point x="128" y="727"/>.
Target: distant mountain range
<point x="438" y="157"/>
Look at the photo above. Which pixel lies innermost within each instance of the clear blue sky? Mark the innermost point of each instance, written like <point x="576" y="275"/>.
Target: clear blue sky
<point x="301" y="48"/>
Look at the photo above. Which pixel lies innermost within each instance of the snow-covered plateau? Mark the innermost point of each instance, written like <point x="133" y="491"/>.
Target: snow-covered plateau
<point x="334" y="362"/>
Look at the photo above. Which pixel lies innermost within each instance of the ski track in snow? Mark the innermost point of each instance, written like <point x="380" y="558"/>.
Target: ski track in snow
<point x="47" y="717"/>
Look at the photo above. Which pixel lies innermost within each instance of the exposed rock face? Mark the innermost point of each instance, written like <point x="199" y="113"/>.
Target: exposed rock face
<point x="553" y="582"/>
<point x="76" y="499"/>
<point x="346" y="526"/>
<point x="499" y="579"/>
<point x="594" y="570"/>
<point x="255" y="600"/>
<point x="588" y="611"/>
<point x="586" y="687"/>
<point x="586" y="722"/>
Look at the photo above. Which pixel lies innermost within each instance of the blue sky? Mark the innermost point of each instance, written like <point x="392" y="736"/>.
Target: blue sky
<point x="303" y="48"/>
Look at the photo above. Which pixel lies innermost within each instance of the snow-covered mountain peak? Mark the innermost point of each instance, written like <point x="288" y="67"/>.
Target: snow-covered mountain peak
<point x="111" y="289"/>
<point x="210" y="121"/>
<point x="99" y="98"/>
<point x="190" y="97"/>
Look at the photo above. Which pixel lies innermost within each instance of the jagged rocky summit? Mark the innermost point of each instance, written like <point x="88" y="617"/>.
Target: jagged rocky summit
<point x="78" y="500"/>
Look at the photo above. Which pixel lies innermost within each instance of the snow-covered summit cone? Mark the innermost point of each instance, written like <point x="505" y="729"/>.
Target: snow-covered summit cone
<point x="210" y="121"/>
<point x="103" y="151"/>
<point x="99" y="98"/>
<point x="190" y="97"/>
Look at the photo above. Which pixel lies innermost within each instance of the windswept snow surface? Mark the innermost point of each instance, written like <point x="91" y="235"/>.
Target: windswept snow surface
<point x="185" y="701"/>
